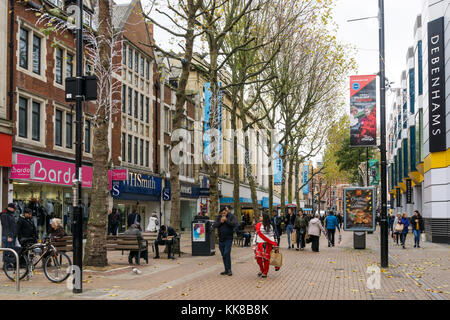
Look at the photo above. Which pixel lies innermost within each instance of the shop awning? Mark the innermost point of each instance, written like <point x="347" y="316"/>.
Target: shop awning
<point x="6" y="154"/>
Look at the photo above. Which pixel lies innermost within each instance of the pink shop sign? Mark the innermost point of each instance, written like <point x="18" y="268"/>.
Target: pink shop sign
<point x="54" y="172"/>
<point x="20" y="171"/>
<point x="117" y="175"/>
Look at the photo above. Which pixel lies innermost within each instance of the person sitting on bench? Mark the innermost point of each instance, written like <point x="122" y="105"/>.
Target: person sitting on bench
<point x="134" y="230"/>
<point x="165" y="236"/>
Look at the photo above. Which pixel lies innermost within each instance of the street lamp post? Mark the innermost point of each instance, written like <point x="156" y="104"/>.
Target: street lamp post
<point x="383" y="220"/>
<point x="77" y="226"/>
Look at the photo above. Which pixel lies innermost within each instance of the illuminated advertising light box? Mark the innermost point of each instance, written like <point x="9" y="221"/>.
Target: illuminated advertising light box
<point x="359" y="209"/>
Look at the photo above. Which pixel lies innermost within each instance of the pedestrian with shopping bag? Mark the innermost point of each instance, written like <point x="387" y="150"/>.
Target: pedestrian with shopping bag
<point x="263" y="242"/>
<point x="314" y="229"/>
<point x="405" y="223"/>
<point x="398" y="227"/>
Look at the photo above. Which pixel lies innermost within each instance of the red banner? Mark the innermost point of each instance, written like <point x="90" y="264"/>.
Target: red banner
<point x="363" y="111"/>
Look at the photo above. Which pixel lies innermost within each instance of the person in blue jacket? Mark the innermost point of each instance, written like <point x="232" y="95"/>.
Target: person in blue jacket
<point x="405" y="222"/>
<point x="331" y="223"/>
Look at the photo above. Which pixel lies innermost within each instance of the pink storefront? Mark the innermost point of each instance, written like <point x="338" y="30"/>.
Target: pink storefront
<point x="46" y="186"/>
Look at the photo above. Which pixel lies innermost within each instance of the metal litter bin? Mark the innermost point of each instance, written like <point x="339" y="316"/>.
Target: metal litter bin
<point x="359" y="240"/>
<point x="202" y="236"/>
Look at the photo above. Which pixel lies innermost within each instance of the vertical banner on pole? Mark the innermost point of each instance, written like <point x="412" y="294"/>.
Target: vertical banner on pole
<point x="408" y="191"/>
<point x="305" y="179"/>
<point x="363" y="111"/>
<point x="278" y="166"/>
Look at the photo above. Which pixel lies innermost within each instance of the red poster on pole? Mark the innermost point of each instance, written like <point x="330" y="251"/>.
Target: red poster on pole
<point x="363" y="111"/>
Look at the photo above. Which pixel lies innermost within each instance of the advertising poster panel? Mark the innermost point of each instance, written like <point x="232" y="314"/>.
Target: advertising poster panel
<point x="198" y="232"/>
<point x="363" y="111"/>
<point x="359" y="210"/>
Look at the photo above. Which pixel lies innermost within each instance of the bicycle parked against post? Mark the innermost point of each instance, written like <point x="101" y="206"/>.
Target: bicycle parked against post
<point x="56" y="264"/>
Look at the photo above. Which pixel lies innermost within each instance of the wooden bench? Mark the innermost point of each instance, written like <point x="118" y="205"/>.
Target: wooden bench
<point x="175" y="247"/>
<point x="121" y="242"/>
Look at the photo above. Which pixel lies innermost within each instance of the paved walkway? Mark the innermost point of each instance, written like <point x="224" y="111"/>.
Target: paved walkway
<point x="334" y="273"/>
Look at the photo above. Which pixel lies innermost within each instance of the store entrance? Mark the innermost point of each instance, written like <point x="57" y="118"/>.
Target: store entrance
<point x="125" y="209"/>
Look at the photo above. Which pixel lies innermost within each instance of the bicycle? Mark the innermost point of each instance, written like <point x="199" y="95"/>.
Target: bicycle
<point x="56" y="265"/>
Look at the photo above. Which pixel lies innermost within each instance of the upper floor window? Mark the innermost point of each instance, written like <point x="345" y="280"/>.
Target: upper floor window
<point x="136" y="62"/>
<point x="29" y="118"/>
<point x="124" y="53"/>
<point x="87" y="136"/>
<point x="87" y="18"/>
<point x="57" y="3"/>
<point x="69" y="65"/>
<point x="58" y="66"/>
<point x="130" y="58"/>
<point x="58" y="127"/>
<point x="124" y="98"/>
<point x="142" y="66"/>
<point x="23" y="48"/>
<point x="147" y="69"/>
<point x="36" y="54"/>
<point x="61" y="73"/>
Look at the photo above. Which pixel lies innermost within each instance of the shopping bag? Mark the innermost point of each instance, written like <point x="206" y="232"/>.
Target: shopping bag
<point x="294" y="237"/>
<point x="308" y="238"/>
<point x="276" y="259"/>
<point x="423" y="237"/>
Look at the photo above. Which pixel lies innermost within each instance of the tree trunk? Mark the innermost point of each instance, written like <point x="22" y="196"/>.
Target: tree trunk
<point x="251" y="178"/>
<point x="297" y="182"/>
<point x="175" y="219"/>
<point x="290" y="181"/>
<point x="95" y="250"/>
<point x="236" y="178"/>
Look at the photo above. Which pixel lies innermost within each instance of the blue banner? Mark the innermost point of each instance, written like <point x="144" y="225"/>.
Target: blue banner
<point x="278" y="166"/>
<point x="306" y="178"/>
<point x="137" y="187"/>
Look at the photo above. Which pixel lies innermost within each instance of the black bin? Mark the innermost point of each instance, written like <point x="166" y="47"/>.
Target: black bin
<point x="359" y="240"/>
<point x="203" y="238"/>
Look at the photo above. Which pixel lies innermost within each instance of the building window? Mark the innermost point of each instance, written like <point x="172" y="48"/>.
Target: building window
<point x="147" y="110"/>
<point x="87" y="19"/>
<point x="58" y="65"/>
<point x="135" y="150"/>
<point x="136" y="102"/>
<point x="69" y="138"/>
<point x="147" y="153"/>
<point x="420" y="67"/>
<point x="166" y="158"/>
<point x="124" y="146"/>
<point x="166" y="120"/>
<point x="142" y="66"/>
<point x="57" y="3"/>
<point x="87" y="137"/>
<point x="147" y="69"/>
<point x="36" y="119"/>
<point x="58" y="128"/>
<point x="23" y="48"/>
<point x="136" y="62"/>
<point x="130" y="58"/>
<point x="69" y="66"/>
<point x="36" y="54"/>
<point x="23" y="117"/>
<point x="124" y="53"/>
<point x="124" y="98"/>
<point x="142" y="152"/>
<point x="129" y="148"/>
<point x="130" y="100"/>
<point x="142" y="107"/>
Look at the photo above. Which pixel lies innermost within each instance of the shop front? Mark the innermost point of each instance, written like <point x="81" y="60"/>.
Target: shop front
<point x="189" y="193"/>
<point x="45" y="186"/>
<point x="140" y="193"/>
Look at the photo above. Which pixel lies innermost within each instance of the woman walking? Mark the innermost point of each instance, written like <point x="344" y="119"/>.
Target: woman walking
<point x="314" y="228"/>
<point x="397" y="227"/>
<point x="263" y="242"/>
<point x="417" y="226"/>
<point x="405" y="223"/>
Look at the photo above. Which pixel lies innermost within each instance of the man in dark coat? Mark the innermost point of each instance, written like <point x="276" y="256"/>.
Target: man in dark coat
<point x="8" y="227"/>
<point x="113" y="222"/>
<point x="166" y="236"/>
<point x="26" y="230"/>
<point x="134" y="230"/>
<point x="134" y="218"/>
<point x="226" y="223"/>
<point x="277" y="222"/>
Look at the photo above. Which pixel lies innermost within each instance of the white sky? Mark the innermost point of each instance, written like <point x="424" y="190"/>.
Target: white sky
<point x="400" y="17"/>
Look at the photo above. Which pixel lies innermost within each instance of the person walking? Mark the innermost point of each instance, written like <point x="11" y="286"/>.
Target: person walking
<point x="314" y="229"/>
<point x="8" y="227"/>
<point x="331" y="223"/>
<point x="300" y="225"/>
<point x="263" y="242"/>
<point x="340" y="220"/>
<point x="289" y="221"/>
<point x="113" y="222"/>
<point x="391" y="220"/>
<point x="134" y="218"/>
<point x="226" y="223"/>
<point x="153" y="223"/>
<point x="277" y="223"/>
<point x="397" y="227"/>
<point x="418" y="227"/>
<point x="405" y="223"/>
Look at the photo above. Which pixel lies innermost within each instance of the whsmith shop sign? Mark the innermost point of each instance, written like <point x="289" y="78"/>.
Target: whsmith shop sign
<point x="436" y="85"/>
<point x="137" y="187"/>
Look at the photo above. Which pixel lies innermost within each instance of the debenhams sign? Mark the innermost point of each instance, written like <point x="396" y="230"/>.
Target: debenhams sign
<point x="436" y="85"/>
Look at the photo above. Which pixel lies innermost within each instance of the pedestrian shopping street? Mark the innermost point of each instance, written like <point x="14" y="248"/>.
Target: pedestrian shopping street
<point x="338" y="273"/>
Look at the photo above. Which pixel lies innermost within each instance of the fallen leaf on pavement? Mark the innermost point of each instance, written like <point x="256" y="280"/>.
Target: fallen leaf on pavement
<point x="116" y="287"/>
<point x="35" y="292"/>
<point x="400" y="290"/>
<point x="114" y="295"/>
<point x="107" y="290"/>
<point x="337" y="277"/>
<point x="200" y="263"/>
<point x="258" y="286"/>
<point x="354" y="290"/>
<point x="184" y="294"/>
<point x="389" y="276"/>
<point x="169" y="287"/>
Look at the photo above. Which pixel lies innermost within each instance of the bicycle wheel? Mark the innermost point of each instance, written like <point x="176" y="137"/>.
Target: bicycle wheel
<point x="57" y="267"/>
<point x="9" y="268"/>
